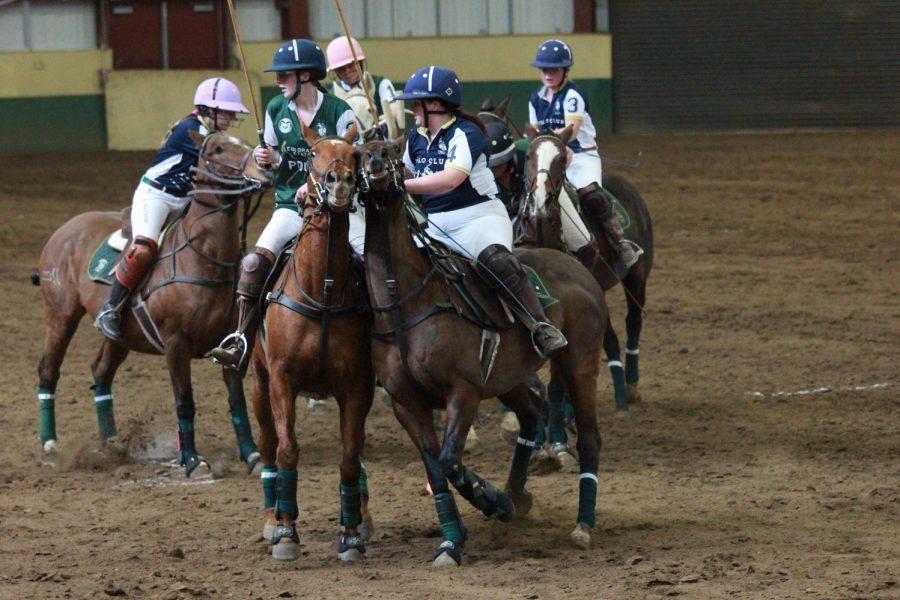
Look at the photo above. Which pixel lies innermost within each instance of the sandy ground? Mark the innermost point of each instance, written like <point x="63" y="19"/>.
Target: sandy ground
<point x="776" y="271"/>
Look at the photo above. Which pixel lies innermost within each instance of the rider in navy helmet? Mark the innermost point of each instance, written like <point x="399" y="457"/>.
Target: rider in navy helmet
<point x="447" y="160"/>
<point x="557" y="105"/>
<point x="507" y="162"/>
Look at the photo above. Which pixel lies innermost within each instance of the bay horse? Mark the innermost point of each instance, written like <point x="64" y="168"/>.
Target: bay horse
<point x="540" y="220"/>
<point x="315" y="339"/>
<point x="187" y="295"/>
<point x="428" y="358"/>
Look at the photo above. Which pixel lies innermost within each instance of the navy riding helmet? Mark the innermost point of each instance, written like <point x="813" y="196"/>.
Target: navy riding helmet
<point x="436" y="83"/>
<point x="553" y="54"/>
<point x="299" y="55"/>
<point x="501" y="144"/>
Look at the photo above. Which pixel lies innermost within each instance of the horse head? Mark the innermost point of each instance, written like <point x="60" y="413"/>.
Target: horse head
<point x="224" y="166"/>
<point x="332" y="166"/>
<point x="539" y="212"/>
<point x="381" y="164"/>
<point x="490" y="113"/>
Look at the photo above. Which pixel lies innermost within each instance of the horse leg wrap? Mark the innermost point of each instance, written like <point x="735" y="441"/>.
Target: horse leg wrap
<point x="47" y="404"/>
<point x="242" y="432"/>
<point x="448" y="515"/>
<point x="186" y="446"/>
<point x="268" y="476"/>
<point x="587" y="499"/>
<point x="351" y="501"/>
<point x="614" y="362"/>
<point x="518" y="470"/>
<point x="632" y="351"/>
<point x="286" y="495"/>
<point x="477" y="491"/>
<point x="137" y="259"/>
<point x="363" y="478"/>
<point x="103" y="404"/>
<point x="556" y="417"/>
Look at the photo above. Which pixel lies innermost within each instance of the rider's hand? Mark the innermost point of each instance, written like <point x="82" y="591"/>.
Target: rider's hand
<point x="301" y="194"/>
<point x="262" y="156"/>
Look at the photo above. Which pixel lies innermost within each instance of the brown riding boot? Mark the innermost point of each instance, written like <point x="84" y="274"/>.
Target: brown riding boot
<point x="236" y="347"/>
<point x="138" y="258"/>
<point x="588" y="254"/>
<point x="595" y="203"/>
<point x="504" y="273"/>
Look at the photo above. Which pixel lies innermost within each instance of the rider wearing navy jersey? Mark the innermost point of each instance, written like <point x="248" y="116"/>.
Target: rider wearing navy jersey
<point x="558" y="104"/>
<point x="447" y="161"/>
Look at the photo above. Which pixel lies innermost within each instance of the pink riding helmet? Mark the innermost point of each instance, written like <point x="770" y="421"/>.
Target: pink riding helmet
<point x="219" y="93"/>
<point x="339" y="52"/>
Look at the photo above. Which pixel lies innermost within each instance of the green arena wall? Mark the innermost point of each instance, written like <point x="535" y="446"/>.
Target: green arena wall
<point x="75" y="101"/>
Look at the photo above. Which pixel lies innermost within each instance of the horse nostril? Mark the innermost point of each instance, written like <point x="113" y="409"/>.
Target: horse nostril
<point x="351" y="178"/>
<point x="331" y="177"/>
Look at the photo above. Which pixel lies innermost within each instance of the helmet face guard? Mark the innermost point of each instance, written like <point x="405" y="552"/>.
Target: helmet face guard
<point x="553" y="54"/>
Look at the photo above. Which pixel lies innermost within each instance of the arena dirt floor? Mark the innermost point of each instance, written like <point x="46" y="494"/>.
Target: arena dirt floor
<point x="776" y="271"/>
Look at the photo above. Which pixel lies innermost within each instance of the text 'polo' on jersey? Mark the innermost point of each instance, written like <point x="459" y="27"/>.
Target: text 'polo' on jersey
<point x="171" y="168"/>
<point x="460" y="145"/>
<point x="548" y="109"/>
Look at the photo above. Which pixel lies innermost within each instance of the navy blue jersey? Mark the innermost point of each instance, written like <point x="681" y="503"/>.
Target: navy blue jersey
<point x="173" y="162"/>
<point x="547" y="110"/>
<point x="460" y="145"/>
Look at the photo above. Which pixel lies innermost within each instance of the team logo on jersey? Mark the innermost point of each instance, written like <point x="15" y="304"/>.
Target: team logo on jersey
<point x="321" y="128"/>
<point x="285" y="125"/>
<point x="442" y="147"/>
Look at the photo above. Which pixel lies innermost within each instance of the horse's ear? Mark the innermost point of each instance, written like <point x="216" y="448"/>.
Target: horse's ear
<point x="488" y="104"/>
<point x="500" y="111"/>
<point x="309" y="135"/>
<point x="566" y="134"/>
<point x="196" y="137"/>
<point x="530" y="131"/>
<point x="400" y="143"/>
<point x="351" y="135"/>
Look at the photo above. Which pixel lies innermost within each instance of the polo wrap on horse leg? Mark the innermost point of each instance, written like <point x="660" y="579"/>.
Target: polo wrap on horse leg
<point x="503" y="272"/>
<point x="599" y="208"/>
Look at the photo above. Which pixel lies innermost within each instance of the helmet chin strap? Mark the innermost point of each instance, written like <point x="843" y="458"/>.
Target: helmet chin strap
<point x="427" y="113"/>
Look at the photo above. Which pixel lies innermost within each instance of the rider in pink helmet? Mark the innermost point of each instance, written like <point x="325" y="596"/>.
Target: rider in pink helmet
<point x="346" y="86"/>
<point x="164" y="188"/>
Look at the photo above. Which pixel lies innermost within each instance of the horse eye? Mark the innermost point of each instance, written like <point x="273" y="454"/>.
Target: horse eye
<point x="218" y="150"/>
<point x="312" y="154"/>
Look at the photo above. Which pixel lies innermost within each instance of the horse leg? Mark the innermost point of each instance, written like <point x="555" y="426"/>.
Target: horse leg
<point x="283" y="402"/>
<point x="417" y="422"/>
<point x="268" y="439"/>
<point x="354" y="407"/>
<point x="556" y="423"/>
<point x="104" y="368"/>
<point x="633" y="322"/>
<point x="56" y="342"/>
<point x="614" y="362"/>
<point x="528" y="410"/>
<point x="237" y="406"/>
<point x="178" y="359"/>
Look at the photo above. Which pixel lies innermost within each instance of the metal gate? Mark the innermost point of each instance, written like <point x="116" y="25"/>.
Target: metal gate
<point x="739" y="64"/>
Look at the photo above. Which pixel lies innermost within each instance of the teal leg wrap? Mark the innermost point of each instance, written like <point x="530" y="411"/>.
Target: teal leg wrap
<point x="631" y="365"/>
<point x="556" y="416"/>
<point x="47" y="404"/>
<point x="268" y="475"/>
<point x="476" y="490"/>
<point x="286" y="495"/>
<point x="243" y="433"/>
<point x="618" y="376"/>
<point x="518" y="470"/>
<point x="587" y="499"/>
<point x="186" y="446"/>
<point x="351" y="501"/>
<point x="448" y="515"/>
<point x="103" y="404"/>
<point x="363" y="477"/>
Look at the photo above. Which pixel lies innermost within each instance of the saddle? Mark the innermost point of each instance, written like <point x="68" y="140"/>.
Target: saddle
<point x="106" y="256"/>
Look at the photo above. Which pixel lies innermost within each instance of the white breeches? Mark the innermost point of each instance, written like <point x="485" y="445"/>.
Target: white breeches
<point x="358" y="229"/>
<point x="575" y="233"/>
<point x="150" y="208"/>
<point x="284" y="225"/>
<point x="472" y="229"/>
<point x="584" y="170"/>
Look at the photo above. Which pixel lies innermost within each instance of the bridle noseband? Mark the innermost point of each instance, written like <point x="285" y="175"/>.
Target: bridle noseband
<point x="322" y="192"/>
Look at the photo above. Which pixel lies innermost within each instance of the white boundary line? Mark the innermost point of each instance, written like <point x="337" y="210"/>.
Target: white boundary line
<point x="825" y="389"/>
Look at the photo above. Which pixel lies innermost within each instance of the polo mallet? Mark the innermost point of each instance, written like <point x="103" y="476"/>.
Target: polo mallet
<point x="362" y="81"/>
<point x="237" y="37"/>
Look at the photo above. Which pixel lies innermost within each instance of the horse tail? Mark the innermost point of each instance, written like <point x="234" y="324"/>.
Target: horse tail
<point x="35" y="278"/>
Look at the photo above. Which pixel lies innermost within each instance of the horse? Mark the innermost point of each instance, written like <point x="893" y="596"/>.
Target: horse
<point x="186" y="297"/>
<point x="540" y="218"/>
<point x="314" y="339"/>
<point x="425" y="351"/>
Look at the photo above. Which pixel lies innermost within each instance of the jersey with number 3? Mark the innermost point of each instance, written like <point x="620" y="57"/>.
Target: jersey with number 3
<point x="548" y="111"/>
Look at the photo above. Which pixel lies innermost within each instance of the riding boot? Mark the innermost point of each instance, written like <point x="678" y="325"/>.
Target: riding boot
<point x="595" y="204"/>
<point x="505" y="274"/>
<point x="588" y="254"/>
<point x="138" y="259"/>
<point x="236" y="346"/>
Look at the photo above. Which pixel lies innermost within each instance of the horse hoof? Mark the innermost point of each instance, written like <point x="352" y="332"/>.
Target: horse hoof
<point x="50" y="449"/>
<point x="351" y="555"/>
<point x="506" y="508"/>
<point x="197" y="466"/>
<point x="269" y="531"/>
<point x="622" y="413"/>
<point x="581" y="536"/>
<point x="634" y="394"/>
<point x="366" y="528"/>
<point x="252" y="462"/>
<point x="285" y="549"/>
<point x="522" y="502"/>
<point x="445" y="560"/>
<point x="509" y="427"/>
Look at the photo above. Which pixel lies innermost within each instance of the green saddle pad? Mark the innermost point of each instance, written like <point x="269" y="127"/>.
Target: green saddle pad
<point x="100" y="267"/>
<point x="543" y="295"/>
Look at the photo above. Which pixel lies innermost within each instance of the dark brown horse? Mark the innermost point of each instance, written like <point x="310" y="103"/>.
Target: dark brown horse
<point x="428" y="358"/>
<point x="187" y="295"/>
<point x="315" y="341"/>
<point x="541" y="221"/>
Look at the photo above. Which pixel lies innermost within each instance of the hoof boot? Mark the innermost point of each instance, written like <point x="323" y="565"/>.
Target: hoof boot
<point x="448" y="555"/>
<point x="351" y="547"/>
<point x="285" y="542"/>
<point x="581" y="536"/>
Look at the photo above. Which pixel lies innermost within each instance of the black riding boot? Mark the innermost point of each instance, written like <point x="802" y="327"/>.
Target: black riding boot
<point x="236" y="347"/>
<point x="588" y="254"/>
<point x="109" y="319"/>
<point x="506" y="275"/>
<point x="595" y="203"/>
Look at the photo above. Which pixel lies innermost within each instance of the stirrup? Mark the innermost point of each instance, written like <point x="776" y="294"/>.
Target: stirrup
<point x="637" y="250"/>
<point x="240" y="341"/>
<point x="102" y="318"/>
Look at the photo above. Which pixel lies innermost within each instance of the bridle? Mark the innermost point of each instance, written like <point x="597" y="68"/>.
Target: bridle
<point x="392" y="172"/>
<point x="326" y="175"/>
<point x="527" y="205"/>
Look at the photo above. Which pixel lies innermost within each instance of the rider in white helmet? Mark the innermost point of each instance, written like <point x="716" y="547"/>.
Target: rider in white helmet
<point x="164" y="188"/>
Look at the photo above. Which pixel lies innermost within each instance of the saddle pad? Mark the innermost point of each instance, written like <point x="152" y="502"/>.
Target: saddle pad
<point x="542" y="293"/>
<point x="103" y="261"/>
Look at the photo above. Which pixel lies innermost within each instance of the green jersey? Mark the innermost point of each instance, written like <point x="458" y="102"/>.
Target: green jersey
<point x="333" y="117"/>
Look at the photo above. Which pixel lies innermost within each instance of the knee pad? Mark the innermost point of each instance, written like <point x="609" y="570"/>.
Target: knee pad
<point x="594" y="202"/>
<point x="254" y="270"/>
<point x="139" y="256"/>
<point x="500" y="262"/>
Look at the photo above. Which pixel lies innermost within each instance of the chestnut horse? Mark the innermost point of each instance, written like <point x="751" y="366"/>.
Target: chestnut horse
<point x="187" y="293"/>
<point x="315" y="341"/>
<point x="428" y="358"/>
<point x="540" y="220"/>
